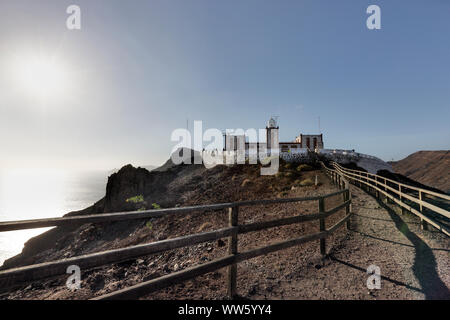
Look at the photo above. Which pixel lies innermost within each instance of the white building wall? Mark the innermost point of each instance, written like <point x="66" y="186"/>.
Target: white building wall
<point x="272" y="137"/>
<point x="229" y="142"/>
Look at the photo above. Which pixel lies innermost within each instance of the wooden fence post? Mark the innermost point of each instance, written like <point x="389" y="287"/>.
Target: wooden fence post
<point x="402" y="209"/>
<point x="420" y="198"/>
<point x="322" y="226"/>
<point x="423" y="223"/>
<point x="386" y="199"/>
<point x="347" y="209"/>
<point x="233" y="214"/>
<point x="375" y="186"/>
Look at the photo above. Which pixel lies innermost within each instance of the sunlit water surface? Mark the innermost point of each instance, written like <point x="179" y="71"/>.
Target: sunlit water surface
<point x="33" y="194"/>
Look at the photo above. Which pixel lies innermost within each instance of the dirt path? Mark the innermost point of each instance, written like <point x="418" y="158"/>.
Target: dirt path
<point x="423" y="256"/>
<point x="414" y="264"/>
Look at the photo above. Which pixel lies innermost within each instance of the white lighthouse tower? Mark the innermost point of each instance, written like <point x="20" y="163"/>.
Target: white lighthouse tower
<point x="272" y="134"/>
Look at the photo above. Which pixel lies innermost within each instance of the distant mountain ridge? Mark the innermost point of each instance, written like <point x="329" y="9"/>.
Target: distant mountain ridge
<point x="149" y="168"/>
<point x="431" y="168"/>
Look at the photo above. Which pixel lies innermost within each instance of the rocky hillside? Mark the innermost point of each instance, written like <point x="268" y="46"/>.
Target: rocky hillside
<point x="183" y="185"/>
<point x="272" y="276"/>
<point x="431" y="168"/>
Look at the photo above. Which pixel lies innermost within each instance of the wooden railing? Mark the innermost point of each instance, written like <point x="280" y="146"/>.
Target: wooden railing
<point x="406" y="196"/>
<point x="22" y="275"/>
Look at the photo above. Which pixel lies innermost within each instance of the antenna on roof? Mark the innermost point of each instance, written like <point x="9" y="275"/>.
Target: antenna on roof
<point x="276" y="119"/>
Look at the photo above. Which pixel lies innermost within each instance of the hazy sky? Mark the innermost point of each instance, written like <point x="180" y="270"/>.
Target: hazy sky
<point x="138" y="69"/>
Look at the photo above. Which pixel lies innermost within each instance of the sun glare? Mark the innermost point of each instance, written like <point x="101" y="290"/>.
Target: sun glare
<point x="41" y="77"/>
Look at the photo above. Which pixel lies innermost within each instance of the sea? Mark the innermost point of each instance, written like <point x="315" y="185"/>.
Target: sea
<point x="33" y="194"/>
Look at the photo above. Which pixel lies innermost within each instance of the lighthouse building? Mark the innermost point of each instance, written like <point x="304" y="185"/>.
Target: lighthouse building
<point x="301" y="144"/>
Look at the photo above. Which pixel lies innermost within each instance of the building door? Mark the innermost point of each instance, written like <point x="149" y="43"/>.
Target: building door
<point x="315" y="143"/>
<point x="308" y="143"/>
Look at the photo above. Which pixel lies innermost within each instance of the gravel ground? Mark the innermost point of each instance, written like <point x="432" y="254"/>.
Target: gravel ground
<point x="414" y="264"/>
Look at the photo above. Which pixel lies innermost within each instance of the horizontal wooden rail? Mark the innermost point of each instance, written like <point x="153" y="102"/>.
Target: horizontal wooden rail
<point x="105" y="217"/>
<point x="147" y="214"/>
<point x="383" y="188"/>
<point x="256" y="226"/>
<point x="34" y="272"/>
<point x="396" y="191"/>
<point x="15" y="276"/>
<point x="141" y="289"/>
<point x="426" y="191"/>
<point x="150" y="286"/>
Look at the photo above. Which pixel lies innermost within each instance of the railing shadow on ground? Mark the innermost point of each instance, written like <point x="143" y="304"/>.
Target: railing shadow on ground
<point x="367" y="217"/>
<point x="394" y="242"/>
<point x="387" y="240"/>
<point x="425" y="266"/>
<point x="348" y="264"/>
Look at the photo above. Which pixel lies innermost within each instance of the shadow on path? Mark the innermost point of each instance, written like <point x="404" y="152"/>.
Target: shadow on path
<point x="368" y="217"/>
<point x="425" y="265"/>
<point x="399" y="283"/>
<point x="394" y="242"/>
